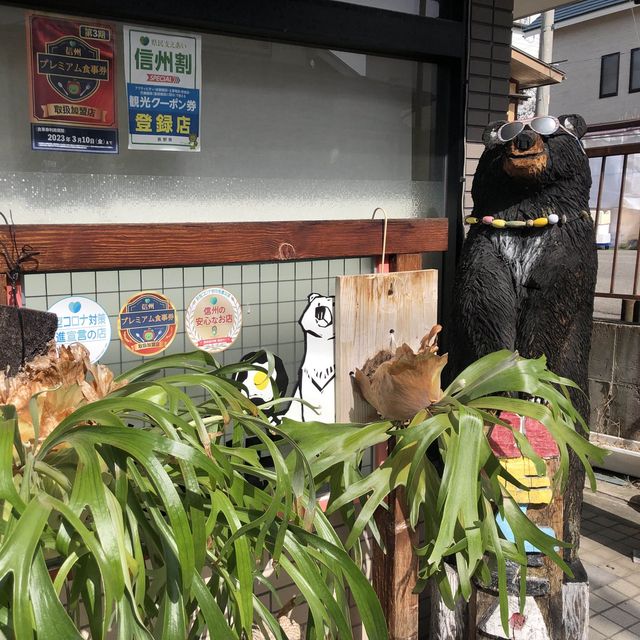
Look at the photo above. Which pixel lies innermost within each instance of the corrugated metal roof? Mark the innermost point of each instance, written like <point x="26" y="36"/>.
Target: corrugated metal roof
<point x="576" y="9"/>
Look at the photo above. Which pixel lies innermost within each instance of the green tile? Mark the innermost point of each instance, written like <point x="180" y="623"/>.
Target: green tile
<point x="194" y="277"/>
<point x="213" y="276"/>
<point x="130" y="279"/>
<point x="231" y="274"/>
<point x="303" y="270"/>
<point x="152" y="279"/>
<point x="286" y="271"/>
<point x="269" y="292"/>
<point x="251" y="293"/>
<point x="59" y="284"/>
<point x="173" y="277"/>
<point x="107" y="281"/>
<point x="34" y="285"/>
<point x="269" y="272"/>
<point x="83" y="282"/>
<point x="251" y="273"/>
<point x="320" y="269"/>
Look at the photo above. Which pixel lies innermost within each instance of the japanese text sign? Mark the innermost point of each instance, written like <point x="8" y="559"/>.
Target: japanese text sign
<point x="213" y="320"/>
<point x="85" y="321"/>
<point x="163" y="74"/>
<point x="147" y="323"/>
<point x="72" y="66"/>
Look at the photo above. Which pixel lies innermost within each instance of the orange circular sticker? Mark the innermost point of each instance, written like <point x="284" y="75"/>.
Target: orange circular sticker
<point x="147" y="323"/>
<point x="213" y="320"/>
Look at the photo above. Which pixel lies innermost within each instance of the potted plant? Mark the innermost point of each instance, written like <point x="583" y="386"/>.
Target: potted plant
<point x="130" y="509"/>
<point x="440" y="454"/>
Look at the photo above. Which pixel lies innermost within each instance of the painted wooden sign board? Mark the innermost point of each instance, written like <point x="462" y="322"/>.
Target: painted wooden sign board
<point x="375" y="312"/>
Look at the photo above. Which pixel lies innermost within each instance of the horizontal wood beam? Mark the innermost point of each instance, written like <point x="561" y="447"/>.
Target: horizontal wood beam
<point x="88" y="247"/>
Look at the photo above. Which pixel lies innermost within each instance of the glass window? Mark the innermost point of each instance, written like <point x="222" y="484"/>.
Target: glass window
<point x="634" y="70"/>
<point x="288" y="132"/>
<point x="609" y="66"/>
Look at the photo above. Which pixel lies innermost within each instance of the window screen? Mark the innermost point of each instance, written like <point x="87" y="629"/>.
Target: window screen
<point x="609" y="67"/>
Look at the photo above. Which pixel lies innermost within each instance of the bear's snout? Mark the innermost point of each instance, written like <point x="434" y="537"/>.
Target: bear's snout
<point x="525" y="140"/>
<point x="324" y="317"/>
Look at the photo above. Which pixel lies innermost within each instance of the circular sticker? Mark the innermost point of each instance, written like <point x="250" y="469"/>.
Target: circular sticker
<point x="85" y="321"/>
<point x="213" y="320"/>
<point x="147" y="323"/>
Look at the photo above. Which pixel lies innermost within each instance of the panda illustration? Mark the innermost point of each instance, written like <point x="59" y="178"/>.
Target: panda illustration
<point x="259" y="387"/>
<point x="316" y="377"/>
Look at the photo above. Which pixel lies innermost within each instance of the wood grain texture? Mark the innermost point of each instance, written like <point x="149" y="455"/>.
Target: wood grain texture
<point x="375" y="312"/>
<point x="86" y="247"/>
<point x="368" y="307"/>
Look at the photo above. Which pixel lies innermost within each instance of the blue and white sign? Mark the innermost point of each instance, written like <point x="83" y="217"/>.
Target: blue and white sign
<point x="85" y="321"/>
<point x="163" y="74"/>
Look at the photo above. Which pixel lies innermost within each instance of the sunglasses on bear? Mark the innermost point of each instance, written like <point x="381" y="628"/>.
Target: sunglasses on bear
<point x="542" y="125"/>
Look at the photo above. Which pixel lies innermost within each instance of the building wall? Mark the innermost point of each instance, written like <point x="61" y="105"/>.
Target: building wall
<point x="614" y="380"/>
<point x="578" y="48"/>
<point x="488" y="78"/>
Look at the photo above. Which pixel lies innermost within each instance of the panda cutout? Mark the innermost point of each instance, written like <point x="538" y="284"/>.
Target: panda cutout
<point x="316" y="376"/>
<point x="258" y="386"/>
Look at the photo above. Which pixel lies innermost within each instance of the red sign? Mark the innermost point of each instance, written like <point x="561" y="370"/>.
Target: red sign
<point x="72" y="69"/>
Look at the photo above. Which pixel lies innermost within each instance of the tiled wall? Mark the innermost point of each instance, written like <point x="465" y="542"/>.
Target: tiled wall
<point x="272" y="296"/>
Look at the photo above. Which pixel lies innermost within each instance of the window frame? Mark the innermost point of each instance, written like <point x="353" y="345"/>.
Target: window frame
<point x="602" y="59"/>
<point x="635" y="52"/>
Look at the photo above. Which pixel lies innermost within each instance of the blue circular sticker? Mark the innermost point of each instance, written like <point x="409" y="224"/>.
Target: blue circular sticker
<point x="82" y="320"/>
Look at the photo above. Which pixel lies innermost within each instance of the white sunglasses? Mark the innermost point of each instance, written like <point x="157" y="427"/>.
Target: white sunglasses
<point x="542" y="125"/>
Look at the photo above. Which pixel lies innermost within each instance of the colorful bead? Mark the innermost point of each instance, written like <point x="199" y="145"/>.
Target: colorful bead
<point x="487" y="220"/>
<point x="529" y="223"/>
<point x="471" y="220"/>
<point x="541" y="222"/>
<point x="554" y="218"/>
<point x="516" y="223"/>
<point x="498" y="224"/>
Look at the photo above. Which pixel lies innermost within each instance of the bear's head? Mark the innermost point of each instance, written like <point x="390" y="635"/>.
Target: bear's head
<point x="528" y="156"/>
<point x="317" y="318"/>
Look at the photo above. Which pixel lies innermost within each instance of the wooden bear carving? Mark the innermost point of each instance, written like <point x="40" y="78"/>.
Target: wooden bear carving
<point x="527" y="273"/>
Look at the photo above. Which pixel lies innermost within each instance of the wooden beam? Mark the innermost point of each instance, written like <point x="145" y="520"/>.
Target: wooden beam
<point x="395" y="573"/>
<point x="87" y="247"/>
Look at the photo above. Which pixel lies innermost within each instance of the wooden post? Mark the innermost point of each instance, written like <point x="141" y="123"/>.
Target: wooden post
<point x="365" y="315"/>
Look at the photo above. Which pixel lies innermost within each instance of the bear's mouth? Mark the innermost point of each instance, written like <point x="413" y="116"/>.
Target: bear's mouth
<point x="324" y="317"/>
<point x="520" y="156"/>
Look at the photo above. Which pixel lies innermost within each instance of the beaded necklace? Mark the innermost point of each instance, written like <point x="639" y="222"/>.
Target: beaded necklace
<point x="499" y="223"/>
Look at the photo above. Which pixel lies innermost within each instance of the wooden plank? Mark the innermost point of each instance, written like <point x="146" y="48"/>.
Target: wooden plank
<point x="406" y="262"/>
<point x="86" y="247"/>
<point x="368" y="308"/>
<point x="374" y="312"/>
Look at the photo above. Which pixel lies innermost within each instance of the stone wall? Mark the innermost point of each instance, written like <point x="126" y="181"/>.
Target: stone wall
<point x="614" y="379"/>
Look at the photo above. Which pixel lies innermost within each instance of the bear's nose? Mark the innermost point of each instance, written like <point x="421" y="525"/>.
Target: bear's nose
<point x="525" y="140"/>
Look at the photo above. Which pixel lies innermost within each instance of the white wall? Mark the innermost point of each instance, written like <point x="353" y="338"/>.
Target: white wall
<point x="582" y="45"/>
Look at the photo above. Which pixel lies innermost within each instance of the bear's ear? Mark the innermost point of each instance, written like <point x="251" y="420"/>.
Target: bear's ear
<point x="490" y="134"/>
<point x="313" y="296"/>
<point x="574" y="123"/>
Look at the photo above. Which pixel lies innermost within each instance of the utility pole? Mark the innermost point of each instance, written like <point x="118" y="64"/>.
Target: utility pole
<point x="546" y="55"/>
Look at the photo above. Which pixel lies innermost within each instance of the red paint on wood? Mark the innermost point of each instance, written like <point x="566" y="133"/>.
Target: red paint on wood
<point x="504" y="444"/>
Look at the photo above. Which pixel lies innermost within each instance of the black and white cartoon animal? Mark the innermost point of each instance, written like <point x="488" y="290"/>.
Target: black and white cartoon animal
<point x="316" y="377"/>
<point x="526" y="276"/>
<point x="259" y="386"/>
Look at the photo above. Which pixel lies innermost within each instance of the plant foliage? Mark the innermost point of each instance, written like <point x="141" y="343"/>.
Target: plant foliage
<point x="457" y="502"/>
<point x="141" y="515"/>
